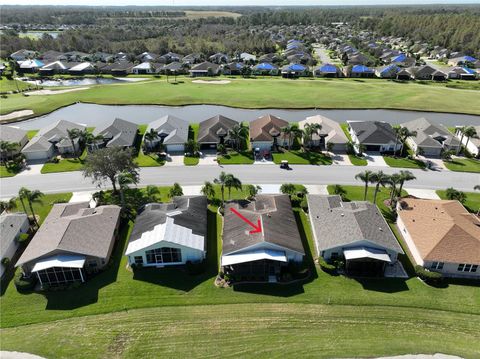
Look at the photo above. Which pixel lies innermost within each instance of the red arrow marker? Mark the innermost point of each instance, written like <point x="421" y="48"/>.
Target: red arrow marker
<point x="256" y="228"/>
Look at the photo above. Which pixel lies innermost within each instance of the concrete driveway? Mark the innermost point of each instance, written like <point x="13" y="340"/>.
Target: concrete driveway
<point x="340" y="159"/>
<point x="375" y="159"/>
<point x="174" y="160"/>
<point x="208" y="159"/>
<point x="32" y="168"/>
<point x="436" y="164"/>
<point x="422" y="193"/>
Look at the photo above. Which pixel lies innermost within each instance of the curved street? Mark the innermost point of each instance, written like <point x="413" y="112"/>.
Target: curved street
<point x="255" y="174"/>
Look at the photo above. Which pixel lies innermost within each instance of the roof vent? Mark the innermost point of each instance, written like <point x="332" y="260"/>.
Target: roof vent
<point x="380" y="229"/>
<point x="342" y="214"/>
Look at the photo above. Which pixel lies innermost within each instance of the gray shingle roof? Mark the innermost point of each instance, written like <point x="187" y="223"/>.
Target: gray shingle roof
<point x="208" y="129"/>
<point x="176" y="129"/>
<point x="428" y="133"/>
<point x="10" y="225"/>
<point x="373" y="132"/>
<point x="74" y="228"/>
<point x="278" y="224"/>
<point x="123" y="133"/>
<point x="338" y="223"/>
<point x="193" y="215"/>
<point x="12" y="134"/>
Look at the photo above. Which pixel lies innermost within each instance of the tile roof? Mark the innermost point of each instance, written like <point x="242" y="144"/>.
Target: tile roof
<point x="278" y="224"/>
<point x="442" y="231"/>
<point x="74" y="228"/>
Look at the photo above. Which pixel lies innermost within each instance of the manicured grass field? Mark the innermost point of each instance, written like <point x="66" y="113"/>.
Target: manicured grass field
<point x="121" y="314"/>
<point x="236" y="158"/>
<point x="44" y="205"/>
<point x="65" y="164"/>
<point x="144" y="159"/>
<point x="302" y="158"/>
<point x="13" y="85"/>
<point x="404" y="162"/>
<point x="263" y="93"/>
<point x="463" y="165"/>
<point x="190" y="161"/>
<point x="472" y="203"/>
<point x="31" y="134"/>
<point x="5" y="172"/>
<point x="357" y="161"/>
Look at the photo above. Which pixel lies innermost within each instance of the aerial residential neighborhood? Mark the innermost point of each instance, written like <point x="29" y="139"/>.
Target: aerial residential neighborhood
<point x="224" y="180"/>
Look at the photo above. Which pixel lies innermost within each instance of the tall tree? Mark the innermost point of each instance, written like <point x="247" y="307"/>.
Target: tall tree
<point x="469" y="132"/>
<point x="365" y="177"/>
<point x="232" y="182"/>
<point x="73" y="134"/>
<point x="107" y="163"/>
<point x="453" y="194"/>
<point x="462" y="131"/>
<point x="380" y="179"/>
<point x="404" y="177"/>
<point x="175" y="191"/>
<point x="31" y="197"/>
<point x="238" y="134"/>
<point x="208" y="190"/>
<point x="125" y="179"/>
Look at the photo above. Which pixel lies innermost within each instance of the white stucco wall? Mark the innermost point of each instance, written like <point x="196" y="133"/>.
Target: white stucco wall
<point x="188" y="254"/>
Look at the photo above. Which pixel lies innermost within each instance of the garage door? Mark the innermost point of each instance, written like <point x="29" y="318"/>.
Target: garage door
<point x="40" y="155"/>
<point x="175" y="148"/>
<point x="373" y="148"/>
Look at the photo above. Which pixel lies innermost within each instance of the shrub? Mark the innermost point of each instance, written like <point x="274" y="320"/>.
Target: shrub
<point x="427" y="276"/>
<point x="326" y="267"/>
<point x="5" y="261"/>
<point x="23" y="237"/>
<point x="22" y="283"/>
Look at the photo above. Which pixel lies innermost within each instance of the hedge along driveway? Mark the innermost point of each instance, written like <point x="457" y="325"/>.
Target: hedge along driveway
<point x="263" y="93"/>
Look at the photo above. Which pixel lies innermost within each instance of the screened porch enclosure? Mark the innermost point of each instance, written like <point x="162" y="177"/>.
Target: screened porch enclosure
<point x="60" y="275"/>
<point x="163" y="255"/>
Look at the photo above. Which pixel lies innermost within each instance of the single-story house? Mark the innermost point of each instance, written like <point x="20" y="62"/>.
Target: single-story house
<point x="441" y="236"/>
<point x="388" y="72"/>
<point x="169" y="233"/>
<point x="431" y="138"/>
<point x="192" y="58"/>
<point x="11" y="226"/>
<point x="53" y="68"/>
<point x="214" y="131"/>
<point x="473" y="145"/>
<point x="147" y="56"/>
<point x="462" y="60"/>
<point x="22" y="55"/>
<point x="117" y="133"/>
<point x="355" y="232"/>
<point x="427" y="72"/>
<point x="82" y="69"/>
<point x="15" y="135"/>
<point x="233" y="68"/>
<point x="246" y="57"/>
<point x="172" y="133"/>
<point x="266" y="131"/>
<point x="205" y="69"/>
<point x="331" y="132"/>
<point x="121" y="68"/>
<point x="174" y="68"/>
<point x="265" y="68"/>
<point x="169" y="57"/>
<point x="143" y="68"/>
<point x="52" y="138"/>
<point x="462" y="73"/>
<point x="30" y="65"/>
<point x="73" y="241"/>
<point x="260" y="253"/>
<point x="295" y="70"/>
<point x="219" y="58"/>
<point x="404" y="74"/>
<point x="360" y="71"/>
<point x="327" y="70"/>
<point x="376" y="136"/>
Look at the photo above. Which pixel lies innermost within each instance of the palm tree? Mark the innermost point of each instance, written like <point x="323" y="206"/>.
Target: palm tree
<point x="477" y="187"/>
<point x="12" y="65"/>
<point x="288" y="188"/>
<point x="366" y="177"/>
<point x="253" y="190"/>
<point x="405" y="176"/>
<point x="397" y="129"/>
<point x="73" y="134"/>
<point x="296" y="134"/>
<point x="453" y="194"/>
<point x="340" y="191"/>
<point x="221" y="181"/>
<point x="238" y="134"/>
<point x="192" y="147"/>
<point x="32" y="197"/>
<point x="208" y="190"/>
<point x="124" y="180"/>
<point x="462" y="131"/>
<point x="151" y="191"/>
<point x="380" y="179"/>
<point x="394" y="181"/>
<point x="287" y="132"/>
<point x="404" y="134"/>
<point x="310" y="130"/>
<point x="92" y="140"/>
<point x="470" y="131"/>
<point x="150" y="137"/>
<point x="232" y="182"/>
<point x="175" y="190"/>
<point x="9" y="205"/>
<point x="22" y="195"/>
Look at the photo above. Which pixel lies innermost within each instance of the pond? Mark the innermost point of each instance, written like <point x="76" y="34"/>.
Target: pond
<point x="77" y="82"/>
<point x="94" y="115"/>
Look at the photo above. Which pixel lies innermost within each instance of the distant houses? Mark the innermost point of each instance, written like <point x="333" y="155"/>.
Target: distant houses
<point x="169" y="233"/>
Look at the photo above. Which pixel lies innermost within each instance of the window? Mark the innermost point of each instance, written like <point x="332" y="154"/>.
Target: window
<point x="437" y="265"/>
<point x="467" y="268"/>
<point x="164" y="255"/>
<point x="58" y="275"/>
<point x="334" y="255"/>
<point x="138" y="259"/>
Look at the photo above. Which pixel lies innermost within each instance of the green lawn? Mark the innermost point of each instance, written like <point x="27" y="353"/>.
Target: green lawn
<point x="7" y="172"/>
<point x="236" y="158"/>
<point x="65" y="164"/>
<point x="463" y="165"/>
<point x="43" y="207"/>
<point x="344" y="127"/>
<point x="302" y="158"/>
<point x="31" y="134"/>
<point x="12" y="85"/>
<point x="472" y="203"/>
<point x="190" y="161"/>
<point x="263" y="93"/>
<point x="404" y="162"/>
<point x="120" y="314"/>
<point x="357" y="161"/>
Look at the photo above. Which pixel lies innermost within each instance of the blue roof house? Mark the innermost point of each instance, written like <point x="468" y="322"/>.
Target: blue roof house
<point x="265" y="68"/>
<point x="294" y="70"/>
<point x="327" y="70"/>
<point x="362" y="71"/>
<point x="388" y="72"/>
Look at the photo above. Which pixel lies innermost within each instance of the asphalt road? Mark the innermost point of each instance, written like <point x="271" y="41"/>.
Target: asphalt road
<point x="255" y="174"/>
